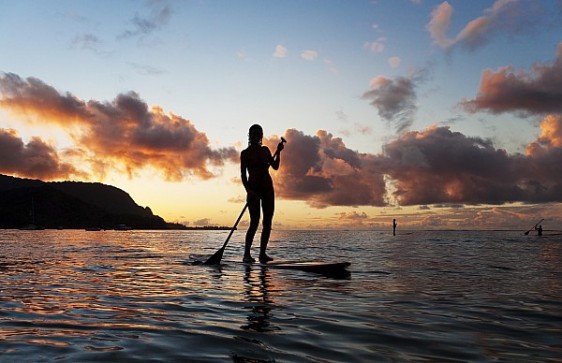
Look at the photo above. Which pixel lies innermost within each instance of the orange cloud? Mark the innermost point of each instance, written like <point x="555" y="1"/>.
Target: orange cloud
<point x="433" y="166"/>
<point x="123" y="132"/>
<point x="550" y="137"/>
<point x="551" y="130"/>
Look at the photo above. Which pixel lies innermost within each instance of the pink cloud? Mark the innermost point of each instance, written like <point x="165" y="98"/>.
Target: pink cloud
<point x="124" y="131"/>
<point x="507" y="16"/>
<point x="506" y="90"/>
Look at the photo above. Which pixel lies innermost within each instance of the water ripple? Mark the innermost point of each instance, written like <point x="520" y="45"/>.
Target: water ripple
<point x="76" y="296"/>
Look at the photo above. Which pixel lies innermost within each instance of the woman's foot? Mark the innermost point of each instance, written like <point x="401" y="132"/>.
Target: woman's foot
<point x="248" y="259"/>
<point x="265" y="258"/>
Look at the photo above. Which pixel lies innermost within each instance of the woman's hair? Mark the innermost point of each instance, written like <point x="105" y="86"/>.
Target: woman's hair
<point x="255" y="128"/>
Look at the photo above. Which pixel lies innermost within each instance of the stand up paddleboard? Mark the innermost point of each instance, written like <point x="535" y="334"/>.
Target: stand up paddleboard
<point x="333" y="269"/>
<point x="330" y="269"/>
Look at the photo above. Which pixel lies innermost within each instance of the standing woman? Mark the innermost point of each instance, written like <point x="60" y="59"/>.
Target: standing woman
<point x="255" y="161"/>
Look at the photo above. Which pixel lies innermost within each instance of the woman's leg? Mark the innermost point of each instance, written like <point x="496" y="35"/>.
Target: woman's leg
<point x="268" y="206"/>
<point x="254" y="208"/>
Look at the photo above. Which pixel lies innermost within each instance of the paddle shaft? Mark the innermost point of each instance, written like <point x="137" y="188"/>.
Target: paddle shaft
<point x="235" y="225"/>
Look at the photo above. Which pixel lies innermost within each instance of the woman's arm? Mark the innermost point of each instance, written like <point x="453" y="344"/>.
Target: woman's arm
<point x="243" y="167"/>
<point x="276" y="158"/>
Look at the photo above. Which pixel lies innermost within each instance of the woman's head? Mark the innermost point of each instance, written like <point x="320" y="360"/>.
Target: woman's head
<point x="255" y="135"/>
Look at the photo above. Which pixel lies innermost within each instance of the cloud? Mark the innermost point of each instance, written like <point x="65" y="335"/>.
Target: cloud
<point x="86" y="41"/>
<point x="280" y="51"/>
<point x="353" y="216"/>
<point x="353" y="219"/>
<point x="202" y="222"/>
<point x="330" y="66"/>
<point x="437" y="165"/>
<point x="439" y="23"/>
<point x="36" y="159"/>
<point x="376" y="46"/>
<point x="394" y="99"/>
<point x="440" y="166"/>
<point x="428" y="167"/>
<point x="551" y="131"/>
<point x="321" y="170"/>
<point x="550" y="137"/>
<point x="146" y="70"/>
<point x="159" y="15"/>
<point x="506" y="90"/>
<point x="504" y="15"/>
<point x="124" y="132"/>
<point x="309" y="55"/>
<point x="394" y="62"/>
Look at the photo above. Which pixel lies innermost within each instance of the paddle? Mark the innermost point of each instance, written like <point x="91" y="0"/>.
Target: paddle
<point x="535" y="226"/>
<point x="217" y="257"/>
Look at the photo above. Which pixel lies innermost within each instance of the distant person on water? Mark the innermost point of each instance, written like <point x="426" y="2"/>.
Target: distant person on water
<point x="394" y="224"/>
<point x="539" y="230"/>
<point x="255" y="161"/>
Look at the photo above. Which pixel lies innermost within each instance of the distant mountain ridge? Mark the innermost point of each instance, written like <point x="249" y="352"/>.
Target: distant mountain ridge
<point x="71" y="205"/>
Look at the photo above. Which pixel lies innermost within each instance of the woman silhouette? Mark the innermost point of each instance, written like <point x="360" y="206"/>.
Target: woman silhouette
<point x="255" y="161"/>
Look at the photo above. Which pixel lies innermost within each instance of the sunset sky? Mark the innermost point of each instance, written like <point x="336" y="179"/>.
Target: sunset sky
<point x="442" y="114"/>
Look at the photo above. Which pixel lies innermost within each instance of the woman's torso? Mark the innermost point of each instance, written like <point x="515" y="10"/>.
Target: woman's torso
<point x="257" y="161"/>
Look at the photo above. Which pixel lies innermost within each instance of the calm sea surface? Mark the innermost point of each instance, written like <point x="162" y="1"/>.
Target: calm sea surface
<point x="126" y="296"/>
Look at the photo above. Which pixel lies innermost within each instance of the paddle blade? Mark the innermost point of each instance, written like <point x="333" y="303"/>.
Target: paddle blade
<point x="216" y="258"/>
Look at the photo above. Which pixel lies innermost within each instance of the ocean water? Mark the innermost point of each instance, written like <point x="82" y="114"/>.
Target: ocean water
<point x="134" y="296"/>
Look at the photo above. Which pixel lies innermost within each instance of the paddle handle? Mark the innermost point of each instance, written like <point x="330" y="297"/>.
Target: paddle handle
<point x="283" y="141"/>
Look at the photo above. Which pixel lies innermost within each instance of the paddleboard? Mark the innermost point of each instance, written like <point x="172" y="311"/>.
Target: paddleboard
<point x="332" y="269"/>
<point x="338" y="269"/>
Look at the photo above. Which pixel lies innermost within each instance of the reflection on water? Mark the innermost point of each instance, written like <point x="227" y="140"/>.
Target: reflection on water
<point x="257" y="283"/>
<point x="111" y="296"/>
